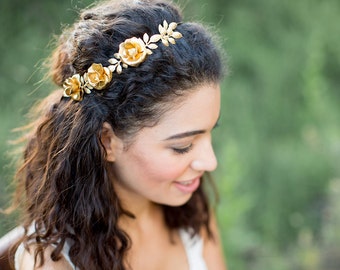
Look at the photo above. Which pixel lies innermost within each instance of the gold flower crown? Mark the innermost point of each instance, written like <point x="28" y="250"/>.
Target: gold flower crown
<point x="132" y="52"/>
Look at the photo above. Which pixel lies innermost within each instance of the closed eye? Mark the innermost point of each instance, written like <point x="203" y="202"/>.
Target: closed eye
<point x="183" y="150"/>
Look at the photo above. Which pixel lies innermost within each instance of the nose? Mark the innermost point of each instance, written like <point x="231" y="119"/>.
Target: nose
<point x="205" y="160"/>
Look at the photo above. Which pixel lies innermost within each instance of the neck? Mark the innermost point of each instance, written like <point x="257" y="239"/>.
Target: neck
<point x="145" y="212"/>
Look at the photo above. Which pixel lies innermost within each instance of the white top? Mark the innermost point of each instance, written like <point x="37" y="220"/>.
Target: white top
<point x="193" y="248"/>
<point x="10" y="238"/>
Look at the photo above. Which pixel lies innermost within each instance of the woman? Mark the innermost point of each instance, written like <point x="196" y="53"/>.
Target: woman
<point x="113" y="168"/>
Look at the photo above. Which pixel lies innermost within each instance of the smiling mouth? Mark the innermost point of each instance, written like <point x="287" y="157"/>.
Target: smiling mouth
<point x="187" y="183"/>
<point x="188" y="186"/>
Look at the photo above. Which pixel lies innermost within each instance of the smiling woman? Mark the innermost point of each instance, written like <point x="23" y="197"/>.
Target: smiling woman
<point x="165" y="162"/>
<point x="113" y="170"/>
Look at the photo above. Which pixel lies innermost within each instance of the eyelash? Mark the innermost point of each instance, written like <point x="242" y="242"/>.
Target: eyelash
<point x="183" y="150"/>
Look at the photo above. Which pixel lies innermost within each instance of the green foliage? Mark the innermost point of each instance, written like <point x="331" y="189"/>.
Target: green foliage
<point x="27" y="29"/>
<point x="278" y="140"/>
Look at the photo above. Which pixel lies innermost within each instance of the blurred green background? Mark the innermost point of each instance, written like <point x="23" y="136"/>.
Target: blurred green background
<point x="278" y="143"/>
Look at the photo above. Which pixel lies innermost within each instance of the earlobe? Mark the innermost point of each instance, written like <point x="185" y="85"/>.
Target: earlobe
<point x="109" y="141"/>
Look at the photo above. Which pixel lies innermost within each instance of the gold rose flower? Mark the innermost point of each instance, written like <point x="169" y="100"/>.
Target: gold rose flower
<point x="132" y="51"/>
<point x="97" y="76"/>
<point x="74" y="87"/>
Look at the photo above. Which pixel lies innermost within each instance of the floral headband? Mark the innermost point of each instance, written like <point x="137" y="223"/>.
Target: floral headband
<point x="132" y="52"/>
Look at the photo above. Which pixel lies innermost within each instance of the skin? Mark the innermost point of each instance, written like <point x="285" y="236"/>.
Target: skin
<point x="152" y="171"/>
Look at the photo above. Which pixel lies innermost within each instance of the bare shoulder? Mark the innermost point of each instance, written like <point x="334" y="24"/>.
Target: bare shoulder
<point x="212" y="250"/>
<point x="27" y="261"/>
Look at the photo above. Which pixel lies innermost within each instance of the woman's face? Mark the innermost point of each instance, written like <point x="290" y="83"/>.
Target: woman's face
<point x="165" y="162"/>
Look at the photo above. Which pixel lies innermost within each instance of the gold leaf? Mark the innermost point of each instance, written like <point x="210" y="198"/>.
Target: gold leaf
<point x="146" y="38"/>
<point x="155" y="38"/>
<point x="113" y="61"/>
<point x="119" y="69"/>
<point x="112" y="67"/>
<point x="81" y="78"/>
<point x="152" y="46"/>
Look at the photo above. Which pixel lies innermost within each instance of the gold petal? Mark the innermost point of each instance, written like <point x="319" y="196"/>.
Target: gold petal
<point x="107" y="71"/>
<point x="172" y="41"/>
<point x="176" y="35"/>
<point x="68" y="92"/>
<point x="161" y="30"/>
<point x="77" y="96"/>
<point x="165" y="42"/>
<point x="172" y="26"/>
<point x="165" y="24"/>
<point x="67" y="80"/>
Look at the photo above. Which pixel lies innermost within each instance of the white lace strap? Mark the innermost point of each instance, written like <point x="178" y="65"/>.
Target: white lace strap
<point x="18" y="255"/>
<point x="194" y="250"/>
<point x="21" y="249"/>
<point x="65" y="252"/>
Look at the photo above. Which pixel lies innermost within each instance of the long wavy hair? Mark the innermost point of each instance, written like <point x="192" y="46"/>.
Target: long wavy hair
<point x="64" y="180"/>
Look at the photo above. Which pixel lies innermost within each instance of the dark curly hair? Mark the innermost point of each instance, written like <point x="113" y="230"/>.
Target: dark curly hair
<point x="64" y="174"/>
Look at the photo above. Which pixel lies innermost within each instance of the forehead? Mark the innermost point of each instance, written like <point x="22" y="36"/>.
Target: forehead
<point x="199" y="109"/>
<point x="203" y="100"/>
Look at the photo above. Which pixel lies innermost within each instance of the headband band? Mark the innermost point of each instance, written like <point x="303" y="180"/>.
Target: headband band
<point x="132" y="52"/>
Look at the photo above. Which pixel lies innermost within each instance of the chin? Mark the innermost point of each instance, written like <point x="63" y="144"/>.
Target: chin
<point x="178" y="201"/>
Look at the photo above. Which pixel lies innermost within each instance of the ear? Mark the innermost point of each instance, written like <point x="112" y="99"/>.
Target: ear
<point x="110" y="142"/>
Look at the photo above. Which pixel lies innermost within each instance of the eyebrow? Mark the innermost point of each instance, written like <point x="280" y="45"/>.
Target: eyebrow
<point x="190" y="133"/>
<point x="185" y="134"/>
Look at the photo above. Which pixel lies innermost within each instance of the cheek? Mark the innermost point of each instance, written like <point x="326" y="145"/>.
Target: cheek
<point x="162" y="168"/>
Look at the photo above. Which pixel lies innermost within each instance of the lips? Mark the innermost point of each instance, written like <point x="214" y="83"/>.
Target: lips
<point x="188" y="186"/>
